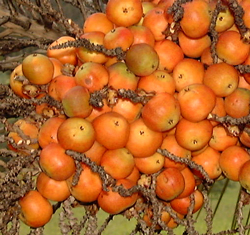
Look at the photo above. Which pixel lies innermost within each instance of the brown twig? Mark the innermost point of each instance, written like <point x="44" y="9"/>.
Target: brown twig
<point x="188" y="162"/>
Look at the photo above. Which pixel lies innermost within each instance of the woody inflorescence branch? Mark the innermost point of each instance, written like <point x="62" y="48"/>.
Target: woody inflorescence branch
<point x="14" y="106"/>
<point x="148" y="192"/>
<point x="83" y="42"/>
<point x="36" y="24"/>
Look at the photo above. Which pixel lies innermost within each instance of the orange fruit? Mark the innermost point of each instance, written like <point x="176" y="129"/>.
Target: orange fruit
<point x="112" y="202"/>
<point x="193" y="135"/>
<point x="112" y="130"/>
<point x="140" y="136"/>
<point x="231" y="160"/>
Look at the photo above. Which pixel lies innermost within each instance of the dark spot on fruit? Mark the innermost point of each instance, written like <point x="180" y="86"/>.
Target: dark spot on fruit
<point x="125" y="10"/>
<point x="117" y="123"/>
<point x="180" y="76"/>
<point x="87" y="81"/>
<point x="195" y="142"/>
<point x="141" y="132"/>
<point x="158" y="162"/>
<point x="81" y="128"/>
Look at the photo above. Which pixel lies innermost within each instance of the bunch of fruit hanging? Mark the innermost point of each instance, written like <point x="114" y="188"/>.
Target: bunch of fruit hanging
<point x="138" y="114"/>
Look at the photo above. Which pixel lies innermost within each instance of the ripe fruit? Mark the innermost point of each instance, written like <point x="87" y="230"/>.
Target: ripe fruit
<point x="95" y="152"/>
<point x="91" y="75"/>
<point x="60" y="85"/>
<point x="142" y="34"/>
<point x="170" y="54"/>
<point x="222" y="78"/>
<point x="112" y="130"/>
<point x="209" y="160"/>
<point x="112" y="202"/>
<point x="56" y="163"/>
<point x="206" y="56"/>
<point x="142" y="59"/>
<point x="169" y="184"/>
<point x="97" y="22"/>
<point x="231" y="160"/>
<point x="162" y="112"/>
<point x="225" y="19"/>
<point x="119" y="163"/>
<point x="237" y="103"/>
<point x="15" y="85"/>
<point x="170" y="144"/>
<point x="246" y="75"/>
<point x="64" y="55"/>
<point x="24" y="132"/>
<point x="124" y="13"/>
<point x="188" y="71"/>
<point x="118" y="37"/>
<point x="131" y="111"/>
<point x="146" y="7"/>
<point x="193" y="135"/>
<point x="121" y="77"/>
<point x="244" y="177"/>
<point x="196" y="102"/>
<point x="181" y="205"/>
<point x="172" y="222"/>
<point x="38" y="69"/>
<point x="231" y="49"/>
<point x="245" y="137"/>
<point x="97" y="111"/>
<point x="156" y="21"/>
<point x="190" y="183"/>
<point x="140" y="136"/>
<point x="147" y="217"/>
<point x="196" y="18"/>
<point x="134" y="176"/>
<point x="76" y="102"/>
<point x="219" y="109"/>
<point x="151" y="164"/>
<point x="88" y="187"/>
<point x="193" y="47"/>
<point x="36" y="211"/>
<point x="58" y="66"/>
<point x="85" y="55"/>
<point x="76" y="134"/>
<point x="221" y="139"/>
<point x="246" y="17"/>
<point x="159" y="81"/>
<point x="51" y="189"/>
<point x="48" y="131"/>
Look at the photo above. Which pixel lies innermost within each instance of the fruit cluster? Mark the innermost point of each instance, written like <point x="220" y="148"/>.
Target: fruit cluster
<point x="161" y="110"/>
